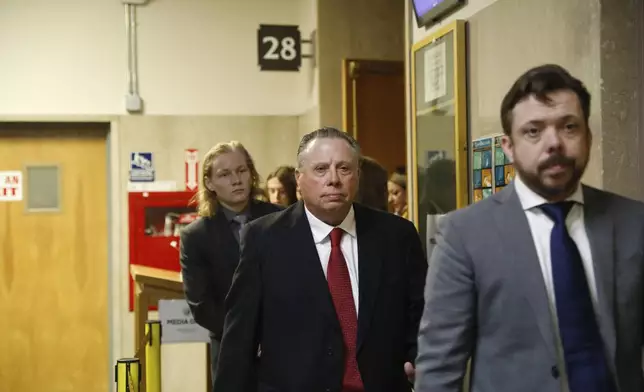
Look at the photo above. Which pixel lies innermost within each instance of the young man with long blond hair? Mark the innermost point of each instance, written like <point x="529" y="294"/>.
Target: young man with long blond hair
<point x="210" y="245"/>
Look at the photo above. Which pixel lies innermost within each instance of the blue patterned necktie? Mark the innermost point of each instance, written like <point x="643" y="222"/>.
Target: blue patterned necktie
<point x="582" y="343"/>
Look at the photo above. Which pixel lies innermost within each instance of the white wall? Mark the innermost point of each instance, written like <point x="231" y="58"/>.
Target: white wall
<point x="195" y="57"/>
<point x="471" y="8"/>
<point x="310" y="73"/>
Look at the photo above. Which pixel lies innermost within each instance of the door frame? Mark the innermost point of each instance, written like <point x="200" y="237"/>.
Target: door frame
<point x="351" y="68"/>
<point x="116" y="273"/>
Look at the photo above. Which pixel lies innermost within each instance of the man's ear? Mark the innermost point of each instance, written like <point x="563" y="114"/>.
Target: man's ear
<point x="208" y="184"/>
<point x="506" y="145"/>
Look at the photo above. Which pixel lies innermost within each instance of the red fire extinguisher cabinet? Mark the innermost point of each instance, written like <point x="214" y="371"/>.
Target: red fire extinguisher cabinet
<point x="154" y="223"/>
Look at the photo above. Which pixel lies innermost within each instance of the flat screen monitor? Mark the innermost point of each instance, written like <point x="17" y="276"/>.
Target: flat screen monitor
<point x="429" y="12"/>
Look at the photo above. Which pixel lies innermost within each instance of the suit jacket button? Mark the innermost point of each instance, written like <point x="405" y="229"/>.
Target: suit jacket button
<point x="330" y="352"/>
<point x="554" y="371"/>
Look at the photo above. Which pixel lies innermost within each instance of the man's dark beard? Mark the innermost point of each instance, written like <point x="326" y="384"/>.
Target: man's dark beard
<point x="533" y="181"/>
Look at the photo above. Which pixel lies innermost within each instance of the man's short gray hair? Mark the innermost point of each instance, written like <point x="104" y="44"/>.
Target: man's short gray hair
<point x="326" y="133"/>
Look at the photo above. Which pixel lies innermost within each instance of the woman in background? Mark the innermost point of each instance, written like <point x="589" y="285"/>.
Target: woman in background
<point x="397" y="189"/>
<point x="281" y="186"/>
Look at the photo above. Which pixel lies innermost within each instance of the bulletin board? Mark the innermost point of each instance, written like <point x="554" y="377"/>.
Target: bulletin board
<point x="492" y="169"/>
<point x="482" y="168"/>
<point x="439" y="124"/>
<point x="503" y="168"/>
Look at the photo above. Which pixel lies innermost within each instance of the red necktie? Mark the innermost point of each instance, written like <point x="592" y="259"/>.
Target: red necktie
<point x="345" y="307"/>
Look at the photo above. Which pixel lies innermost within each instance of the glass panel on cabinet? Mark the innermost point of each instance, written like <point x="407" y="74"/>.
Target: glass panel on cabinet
<point x="167" y="221"/>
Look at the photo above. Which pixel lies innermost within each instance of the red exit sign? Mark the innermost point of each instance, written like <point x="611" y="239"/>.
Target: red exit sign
<point x="11" y="185"/>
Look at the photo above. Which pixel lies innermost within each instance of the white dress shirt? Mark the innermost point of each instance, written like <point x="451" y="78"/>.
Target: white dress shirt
<point x="349" y="246"/>
<point x="541" y="227"/>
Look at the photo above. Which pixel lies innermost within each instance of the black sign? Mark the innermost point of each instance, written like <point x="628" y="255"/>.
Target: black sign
<point x="279" y="48"/>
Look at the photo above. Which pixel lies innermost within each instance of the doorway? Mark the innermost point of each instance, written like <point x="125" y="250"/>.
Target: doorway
<point x="373" y="98"/>
<point x="54" y="258"/>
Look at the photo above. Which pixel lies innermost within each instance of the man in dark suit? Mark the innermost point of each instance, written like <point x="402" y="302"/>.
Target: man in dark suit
<point x="210" y="245"/>
<point x="541" y="284"/>
<point x="330" y="290"/>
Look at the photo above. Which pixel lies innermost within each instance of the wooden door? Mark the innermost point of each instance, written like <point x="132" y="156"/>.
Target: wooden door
<point x="54" y="260"/>
<point x="374" y="109"/>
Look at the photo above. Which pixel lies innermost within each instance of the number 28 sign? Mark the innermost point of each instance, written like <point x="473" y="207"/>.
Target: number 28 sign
<point x="279" y="48"/>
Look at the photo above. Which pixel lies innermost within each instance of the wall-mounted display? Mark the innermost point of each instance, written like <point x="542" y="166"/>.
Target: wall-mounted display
<point x="429" y="12"/>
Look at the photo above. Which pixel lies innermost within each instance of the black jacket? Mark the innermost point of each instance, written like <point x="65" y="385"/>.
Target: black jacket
<point x="280" y="300"/>
<point x="209" y="256"/>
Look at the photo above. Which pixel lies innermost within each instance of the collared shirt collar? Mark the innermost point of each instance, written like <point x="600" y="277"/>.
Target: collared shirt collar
<point x="529" y="199"/>
<point x="322" y="230"/>
<point x="230" y="214"/>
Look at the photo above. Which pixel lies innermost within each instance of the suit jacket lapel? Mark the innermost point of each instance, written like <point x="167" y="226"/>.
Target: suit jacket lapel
<point x="518" y="245"/>
<point x="221" y="232"/>
<point x="307" y="263"/>
<point x="600" y="230"/>
<point x="369" y="264"/>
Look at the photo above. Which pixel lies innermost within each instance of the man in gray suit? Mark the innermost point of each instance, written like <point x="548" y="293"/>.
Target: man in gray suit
<point x="542" y="284"/>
